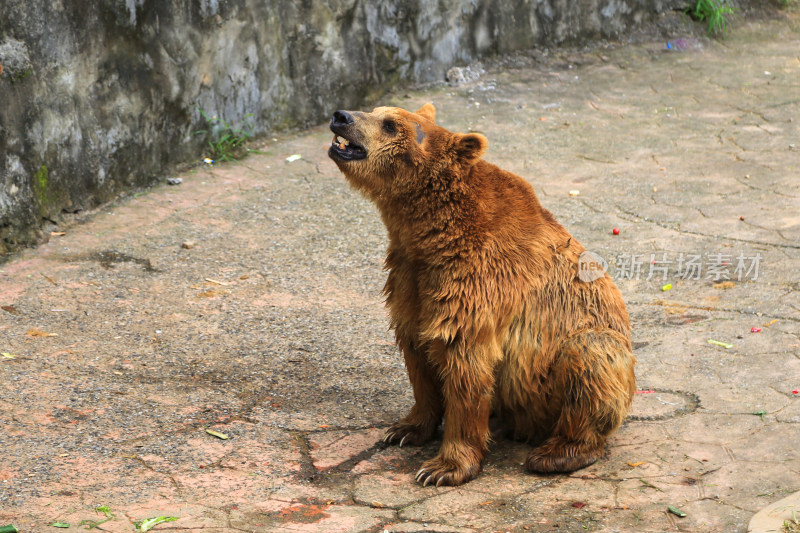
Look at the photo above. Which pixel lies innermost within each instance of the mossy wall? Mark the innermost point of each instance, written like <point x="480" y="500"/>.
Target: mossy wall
<point x="97" y="96"/>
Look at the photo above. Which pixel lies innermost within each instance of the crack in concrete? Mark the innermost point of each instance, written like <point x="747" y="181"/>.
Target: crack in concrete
<point x="662" y="203"/>
<point x="147" y="466"/>
<point x="307" y="469"/>
<point x="753" y="112"/>
<point x="704" y="235"/>
<point x="737" y="145"/>
<point x="674" y="303"/>
<point x="773" y="191"/>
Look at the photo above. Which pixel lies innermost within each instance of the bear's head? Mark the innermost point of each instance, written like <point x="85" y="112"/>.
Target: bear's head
<point x="392" y="154"/>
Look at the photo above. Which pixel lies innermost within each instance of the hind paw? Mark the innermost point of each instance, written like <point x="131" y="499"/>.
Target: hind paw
<point x="553" y="457"/>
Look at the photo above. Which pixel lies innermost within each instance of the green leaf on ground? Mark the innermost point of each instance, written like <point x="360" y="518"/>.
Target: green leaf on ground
<point x="150" y="523"/>
<point x="676" y="511"/>
<point x="91" y="524"/>
<point x="720" y="343"/>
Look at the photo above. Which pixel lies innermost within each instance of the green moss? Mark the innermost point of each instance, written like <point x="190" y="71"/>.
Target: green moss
<point x="41" y="186"/>
<point x="40" y="181"/>
<point x="19" y="76"/>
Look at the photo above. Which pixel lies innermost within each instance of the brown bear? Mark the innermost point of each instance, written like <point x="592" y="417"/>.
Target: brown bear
<point x="486" y="301"/>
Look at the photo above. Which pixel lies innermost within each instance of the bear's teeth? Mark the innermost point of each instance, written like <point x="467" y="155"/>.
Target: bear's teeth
<point x="342" y="142"/>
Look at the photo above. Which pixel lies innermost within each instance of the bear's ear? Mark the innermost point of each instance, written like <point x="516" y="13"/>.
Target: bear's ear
<point x="428" y="111"/>
<point x="470" y="147"/>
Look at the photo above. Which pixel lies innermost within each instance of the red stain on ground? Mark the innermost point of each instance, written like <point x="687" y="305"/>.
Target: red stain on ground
<point x="306" y="513"/>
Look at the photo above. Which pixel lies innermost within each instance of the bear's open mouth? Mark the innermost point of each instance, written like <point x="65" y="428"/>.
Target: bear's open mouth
<point x="347" y="149"/>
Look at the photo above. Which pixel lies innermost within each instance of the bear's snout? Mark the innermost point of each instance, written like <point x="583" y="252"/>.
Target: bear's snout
<point x="344" y="146"/>
<point x="341" y="118"/>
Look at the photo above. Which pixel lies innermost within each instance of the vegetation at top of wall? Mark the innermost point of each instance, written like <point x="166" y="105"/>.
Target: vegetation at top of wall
<point x="226" y="142"/>
<point x="712" y="12"/>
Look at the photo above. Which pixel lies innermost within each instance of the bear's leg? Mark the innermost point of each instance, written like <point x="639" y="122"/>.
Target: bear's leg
<point x="467" y="384"/>
<point x="593" y="377"/>
<point x="420" y="425"/>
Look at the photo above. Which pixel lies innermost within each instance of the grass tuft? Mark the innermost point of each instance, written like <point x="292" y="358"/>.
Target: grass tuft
<point x="712" y="12"/>
<point x="226" y="142"/>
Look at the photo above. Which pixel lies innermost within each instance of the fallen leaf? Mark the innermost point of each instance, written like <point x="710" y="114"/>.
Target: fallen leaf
<point x="217" y="434"/>
<point x="150" y="523"/>
<point x="215" y="282"/>
<point x="724" y="285"/>
<point x="638" y="463"/>
<point x="34" y="332"/>
<point x="62" y="525"/>
<point x="768" y="324"/>
<point x="58" y="233"/>
<point x="720" y="343"/>
<point x="10" y="309"/>
<point x="676" y="511"/>
<point x="294" y="157"/>
<point x="7" y="355"/>
<point x="578" y="505"/>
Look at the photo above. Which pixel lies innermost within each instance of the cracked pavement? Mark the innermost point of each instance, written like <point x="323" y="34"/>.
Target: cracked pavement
<point x="247" y="301"/>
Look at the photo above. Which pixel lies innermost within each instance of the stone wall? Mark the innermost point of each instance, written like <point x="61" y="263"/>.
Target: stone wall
<point x="97" y="96"/>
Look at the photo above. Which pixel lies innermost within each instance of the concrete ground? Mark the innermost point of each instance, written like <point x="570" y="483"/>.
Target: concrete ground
<point x="247" y="301"/>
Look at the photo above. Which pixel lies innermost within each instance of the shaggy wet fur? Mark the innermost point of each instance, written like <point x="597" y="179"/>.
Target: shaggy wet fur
<point x="485" y="301"/>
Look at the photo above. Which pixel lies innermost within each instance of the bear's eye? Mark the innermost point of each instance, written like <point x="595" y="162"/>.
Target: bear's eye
<point x="389" y="126"/>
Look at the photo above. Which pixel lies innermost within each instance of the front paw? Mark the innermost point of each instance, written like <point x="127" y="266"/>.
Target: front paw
<point x="403" y="432"/>
<point x="439" y="471"/>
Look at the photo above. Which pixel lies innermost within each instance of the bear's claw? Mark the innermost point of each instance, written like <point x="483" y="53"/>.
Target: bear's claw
<point x="405" y="433"/>
<point x="439" y="472"/>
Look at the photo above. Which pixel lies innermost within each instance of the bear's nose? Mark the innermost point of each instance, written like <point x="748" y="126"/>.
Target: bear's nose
<point x="341" y="118"/>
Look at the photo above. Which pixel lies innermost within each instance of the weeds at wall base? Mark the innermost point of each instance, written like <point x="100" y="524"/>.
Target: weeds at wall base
<point x="226" y="142"/>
